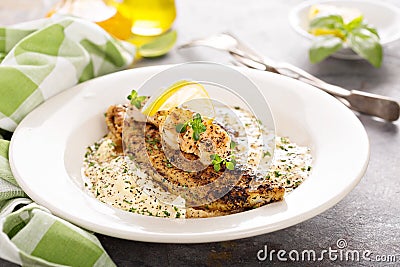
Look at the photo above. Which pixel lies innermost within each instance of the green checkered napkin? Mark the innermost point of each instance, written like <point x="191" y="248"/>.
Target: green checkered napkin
<point x="40" y="59"/>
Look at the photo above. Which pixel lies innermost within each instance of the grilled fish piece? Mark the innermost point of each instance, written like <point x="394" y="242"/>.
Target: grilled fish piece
<point x="115" y="121"/>
<point x="224" y="192"/>
<point x="214" y="140"/>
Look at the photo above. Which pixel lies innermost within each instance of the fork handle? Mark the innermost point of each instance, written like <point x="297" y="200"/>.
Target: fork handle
<point x="370" y="104"/>
<point x="366" y="103"/>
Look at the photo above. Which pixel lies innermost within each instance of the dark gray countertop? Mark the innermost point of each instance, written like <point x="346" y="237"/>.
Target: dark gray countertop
<point x="368" y="218"/>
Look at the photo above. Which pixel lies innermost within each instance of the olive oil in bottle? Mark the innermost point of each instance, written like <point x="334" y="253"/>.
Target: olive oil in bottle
<point x="148" y="17"/>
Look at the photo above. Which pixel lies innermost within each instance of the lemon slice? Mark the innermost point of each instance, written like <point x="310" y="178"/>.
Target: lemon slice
<point x="190" y="95"/>
<point x="321" y="31"/>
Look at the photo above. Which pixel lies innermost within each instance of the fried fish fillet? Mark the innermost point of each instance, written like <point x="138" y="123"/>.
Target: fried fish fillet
<point x="214" y="140"/>
<point x="114" y="117"/>
<point x="225" y="192"/>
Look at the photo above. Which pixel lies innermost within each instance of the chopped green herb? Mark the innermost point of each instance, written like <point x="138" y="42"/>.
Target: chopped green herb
<point x="153" y="141"/>
<point x="296" y="184"/>
<point x="112" y="144"/>
<point x="266" y="154"/>
<point x="96" y="145"/>
<point x="229" y="162"/>
<point x="135" y="99"/>
<point x="132" y="209"/>
<point x="166" y="213"/>
<point x="284" y="140"/>
<point x="283" y="148"/>
<point x="196" y="123"/>
<point x="127" y="201"/>
<point x="232" y="145"/>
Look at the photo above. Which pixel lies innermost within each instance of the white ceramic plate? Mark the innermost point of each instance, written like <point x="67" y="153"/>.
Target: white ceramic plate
<point x="48" y="147"/>
<point x="384" y="16"/>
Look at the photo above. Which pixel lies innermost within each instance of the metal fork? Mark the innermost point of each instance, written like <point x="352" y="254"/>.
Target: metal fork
<point x="366" y="103"/>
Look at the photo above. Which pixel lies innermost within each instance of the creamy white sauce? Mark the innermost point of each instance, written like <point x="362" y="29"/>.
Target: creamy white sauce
<point x="112" y="180"/>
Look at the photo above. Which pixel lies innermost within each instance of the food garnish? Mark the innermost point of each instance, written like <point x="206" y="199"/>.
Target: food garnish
<point x="196" y="123"/>
<point x="338" y="29"/>
<point x="202" y="142"/>
<point x="177" y="94"/>
<point x="135" y="99"/>
<point x="229" y="162"/>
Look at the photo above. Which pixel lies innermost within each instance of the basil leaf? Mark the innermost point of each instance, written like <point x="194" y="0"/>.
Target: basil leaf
<point x="323" y="47"/>
<point x="327" y="22"/>
<point x="355" y="23"/>
<point x="373" y="30"/>
<point x="366" y="44"/>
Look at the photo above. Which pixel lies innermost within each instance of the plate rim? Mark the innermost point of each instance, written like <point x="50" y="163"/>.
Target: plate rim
<point x="164" y="238"/>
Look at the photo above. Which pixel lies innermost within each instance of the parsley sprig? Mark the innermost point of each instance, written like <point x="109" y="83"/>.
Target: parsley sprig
<point x="196" y="123"/>
<point x="333" y="33"/>
<point x="135" y="99"/>
<point x="229" y="162"/>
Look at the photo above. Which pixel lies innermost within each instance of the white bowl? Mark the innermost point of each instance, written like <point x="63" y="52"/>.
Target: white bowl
<point x="383" y="16"/>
